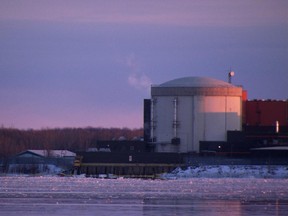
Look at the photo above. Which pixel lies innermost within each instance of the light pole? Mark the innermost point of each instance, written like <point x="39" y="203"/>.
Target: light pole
<point x="230" y="75"/>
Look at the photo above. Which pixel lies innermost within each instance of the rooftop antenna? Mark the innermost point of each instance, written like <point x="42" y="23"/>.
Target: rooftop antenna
<point x="230" y="75"/>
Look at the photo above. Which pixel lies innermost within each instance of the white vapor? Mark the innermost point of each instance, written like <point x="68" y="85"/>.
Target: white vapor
<point x="139" y="81"/>
<point x="136" y="79"/>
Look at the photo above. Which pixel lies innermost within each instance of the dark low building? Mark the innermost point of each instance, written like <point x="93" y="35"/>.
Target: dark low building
<point x="38" y="161"/>
<point x="127" y="163"/>
<point x="127" y="158"/>
<point x="259" y="147"/>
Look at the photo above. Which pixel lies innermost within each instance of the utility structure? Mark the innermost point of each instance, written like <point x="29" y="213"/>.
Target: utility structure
<point x="230" y="75"/>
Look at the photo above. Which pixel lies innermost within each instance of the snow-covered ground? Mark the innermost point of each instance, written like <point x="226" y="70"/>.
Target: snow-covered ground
<point x="231" y="171"/>
<point x="205" y="171"/>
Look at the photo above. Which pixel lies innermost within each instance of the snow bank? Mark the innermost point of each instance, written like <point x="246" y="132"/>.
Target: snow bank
<point x="230" y="171"/>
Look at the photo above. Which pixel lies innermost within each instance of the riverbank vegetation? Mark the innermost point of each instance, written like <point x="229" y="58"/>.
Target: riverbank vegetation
<point x="13" y="141"/>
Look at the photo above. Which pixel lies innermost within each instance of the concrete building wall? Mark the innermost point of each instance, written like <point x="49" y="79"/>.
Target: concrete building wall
<point x="185" y="128"/>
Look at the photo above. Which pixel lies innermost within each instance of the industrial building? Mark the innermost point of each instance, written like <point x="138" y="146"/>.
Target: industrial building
<point x="190" y="119"/>
<point x="265" y="115"/>
<point x="188" y="110"/>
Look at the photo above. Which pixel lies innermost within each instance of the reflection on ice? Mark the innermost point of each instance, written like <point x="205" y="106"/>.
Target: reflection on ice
<point x="88" y="196"/>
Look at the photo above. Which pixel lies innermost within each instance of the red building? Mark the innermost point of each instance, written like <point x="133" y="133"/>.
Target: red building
<point x="265" y="114"/>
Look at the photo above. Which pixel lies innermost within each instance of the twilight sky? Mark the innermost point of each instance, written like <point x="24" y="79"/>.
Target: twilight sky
<point x="68" y="63"/>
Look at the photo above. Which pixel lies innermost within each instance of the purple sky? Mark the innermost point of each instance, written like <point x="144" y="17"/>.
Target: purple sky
<point x="84" y="63"/>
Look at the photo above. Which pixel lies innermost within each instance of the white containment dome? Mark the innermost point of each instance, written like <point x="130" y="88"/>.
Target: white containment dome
<point x="188" y="110"/>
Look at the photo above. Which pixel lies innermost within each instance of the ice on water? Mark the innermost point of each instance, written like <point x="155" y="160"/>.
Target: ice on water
<point x="185" y="196"/>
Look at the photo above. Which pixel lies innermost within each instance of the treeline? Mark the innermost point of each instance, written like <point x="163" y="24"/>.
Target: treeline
<point x="13" y="141"/>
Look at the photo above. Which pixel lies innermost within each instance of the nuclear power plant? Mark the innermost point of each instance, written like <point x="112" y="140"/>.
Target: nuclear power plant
<point x="193" y="121"/>
<point x="188" y="110"/>
<point x="205" y="115"/>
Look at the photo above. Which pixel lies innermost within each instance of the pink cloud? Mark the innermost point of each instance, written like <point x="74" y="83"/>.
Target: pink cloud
<point x="108" y="117"/>
<point x="190" y="13"/>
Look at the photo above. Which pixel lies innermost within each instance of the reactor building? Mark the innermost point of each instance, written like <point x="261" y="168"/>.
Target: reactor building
<point x="183" y="112"/>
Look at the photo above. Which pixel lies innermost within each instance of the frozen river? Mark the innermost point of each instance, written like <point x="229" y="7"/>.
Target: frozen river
<point x="194" y="196"/>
